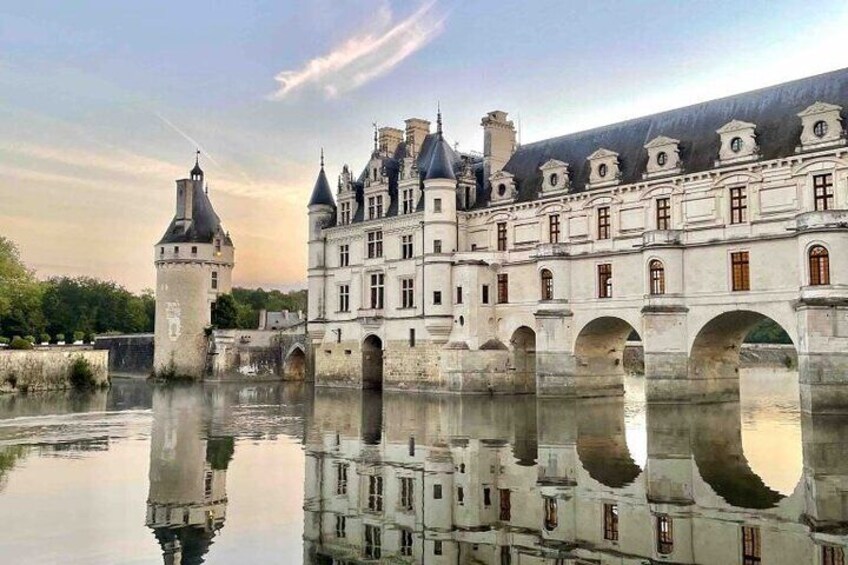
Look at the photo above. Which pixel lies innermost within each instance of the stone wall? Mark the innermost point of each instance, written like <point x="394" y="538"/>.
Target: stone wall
<point x="256" y="354"/>
<point x="129" y="355"/>
<point x="48" y="369"/>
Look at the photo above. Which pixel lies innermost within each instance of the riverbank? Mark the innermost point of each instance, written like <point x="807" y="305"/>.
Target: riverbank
<point x="51" y="368"/>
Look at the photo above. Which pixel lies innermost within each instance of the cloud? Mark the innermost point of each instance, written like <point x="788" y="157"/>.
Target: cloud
<point x="366" y="56"/>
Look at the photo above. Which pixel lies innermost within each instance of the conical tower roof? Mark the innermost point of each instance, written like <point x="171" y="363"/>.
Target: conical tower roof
<point x="441" y="162"/>
<point x="321" y="193"/>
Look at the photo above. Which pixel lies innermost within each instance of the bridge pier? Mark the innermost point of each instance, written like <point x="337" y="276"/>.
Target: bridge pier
<point x="823" y="354"/>
<point x="664" y="347"/>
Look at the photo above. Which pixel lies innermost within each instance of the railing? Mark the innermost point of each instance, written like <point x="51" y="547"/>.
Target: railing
<point x="822" y="219"/>
<point x="546" y="250"/>
<point x="661" y="237"/>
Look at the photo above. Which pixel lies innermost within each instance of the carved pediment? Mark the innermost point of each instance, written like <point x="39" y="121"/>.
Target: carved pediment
<point x="661" y="141"/>
<point x="601" y="154"/>
<point x="819" y="108"/>
<point x="553" y="164"/>
<point x="734" y="126"/>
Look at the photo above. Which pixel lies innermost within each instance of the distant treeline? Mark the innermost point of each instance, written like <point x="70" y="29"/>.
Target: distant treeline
<point x="69" y="308"/>
<point x="241" y="308"/>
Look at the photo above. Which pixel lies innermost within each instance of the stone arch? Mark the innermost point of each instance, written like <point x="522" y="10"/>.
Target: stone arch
<point x="602" y="444"/>
<point x="294" y="365"/>
<point x="599" y="353"/>
<point x="522" y="347"/>
<point x="714" y="353"/>
<point x="372" y="362"/>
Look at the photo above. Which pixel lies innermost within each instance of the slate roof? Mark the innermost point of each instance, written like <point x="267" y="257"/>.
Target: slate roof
<point x="205" y="223"/>
<point x="772" y="109"/>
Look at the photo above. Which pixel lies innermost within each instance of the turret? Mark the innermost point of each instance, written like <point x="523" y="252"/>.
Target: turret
<point x="322" y="213"/>
<point x="194" y="260"/>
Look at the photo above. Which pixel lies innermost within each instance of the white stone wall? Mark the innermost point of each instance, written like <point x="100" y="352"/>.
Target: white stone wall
<point x="48" y="369"/>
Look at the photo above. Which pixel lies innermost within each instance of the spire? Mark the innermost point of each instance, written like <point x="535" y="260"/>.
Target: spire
<point x="196" y="173"/>
<point x="375" y="136"/>
<point x="441" y="161"/>
<point x="321" y="192"/>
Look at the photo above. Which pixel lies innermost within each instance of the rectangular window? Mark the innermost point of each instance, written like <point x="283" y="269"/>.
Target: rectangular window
<point x="751" y="548"/>
<point x="437" y="491"/>
<point x="406" y="246"/>
<point x="341" y="526"/>
<point x="407" y="201"/>
<point x="194" y="250"/>
<point x="739" y="268"/>
<point x="437" y="246"/>
<point x="603" y="222"/>
<point x="344" y="298"/>
<point x="214" y="279"/>
<point x="502" y="236"/>
<point x="373" y="542"/>
<point x="485" y="296"/>
<point x="377" y="288"/>
<point x="341" y="478"/>
<point x="176" y="250"/>
<point x="487" y="496"/>
<point x="551" y="518"/>
<point x="832" y="555"/>
<point x="207" y="484"/>
<point x="375" y="493"/>
<point x="738" y="205"/>
<point x="506" y="505"/>
<point x="665" y="535"/>
<point x="344" y="213"/>
<point x="375" y="244"/>
<point x="437" y="547"/>
<point x="437" y="205"/>
<point x="406" y="542"/>
<point x="503" y="288"/>
<point x="460" y="495"/>
<point x="823" y="191"/>
<point x="161" y="251"/>
<point x="407" y="487"/>
<point x="411" y="337"/>
<point x="553" y="228"/>
<point x="663" y="214"/>
<point x="459" y="295"/>
<point x="611" y="522"/>
<point x="372" y="207"/>
<point x="407" y="293"/>
<point x="379" y="206"/>
<point x="605" y="280"/>
<point x="344" y="255"/>
<point x="218" y="246"/>
<point x="437" y="297"/>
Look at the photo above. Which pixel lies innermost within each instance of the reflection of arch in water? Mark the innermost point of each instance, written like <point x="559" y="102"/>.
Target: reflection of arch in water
<point x="601" y="442"/>
<point x="716" y="436"/>
<point x="522" y="347"/>
<point x="294" y="366"/>
<point x="599" y="352"/>
<point x="371" y="425"/>
<point x="715" y="354"/>
<point x="372" y="362"/>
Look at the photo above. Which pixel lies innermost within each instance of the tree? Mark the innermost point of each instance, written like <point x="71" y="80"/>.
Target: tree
<point x="20" y="293"/>
<point x="225" y="312"/>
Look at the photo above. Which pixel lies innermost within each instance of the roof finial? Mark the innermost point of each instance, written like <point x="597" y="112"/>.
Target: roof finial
<point x="197" y="158"/>
<point x="375" y="135"/>
<point x="439" y="118"/>
<point x="322" y="157"/>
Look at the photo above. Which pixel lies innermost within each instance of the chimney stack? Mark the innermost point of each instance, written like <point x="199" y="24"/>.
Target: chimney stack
<point x="416" y="130"/>
<point x="498" y="142"/>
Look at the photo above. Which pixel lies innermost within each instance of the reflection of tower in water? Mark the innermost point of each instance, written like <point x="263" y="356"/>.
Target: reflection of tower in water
<point x="187" y="501"/>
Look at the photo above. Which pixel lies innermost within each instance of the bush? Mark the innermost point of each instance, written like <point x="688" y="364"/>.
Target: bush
<point x="60" y="337"/>
<point x="30" y="338"/>
<point x="45" y="338"/>
<point x="4" y="340"/>
<point x="78" y="336"/>
<point x="82" y="374"/>
<point x="89" y="338"/>
<point x="20" y="343"/>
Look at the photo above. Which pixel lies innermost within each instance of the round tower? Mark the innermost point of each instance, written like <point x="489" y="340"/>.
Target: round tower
<point x="322" y="213"/>
<point x="194" y="264"/>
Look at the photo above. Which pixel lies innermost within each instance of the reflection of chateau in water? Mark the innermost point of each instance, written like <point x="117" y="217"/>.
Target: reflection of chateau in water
<point x="551" y="481"/>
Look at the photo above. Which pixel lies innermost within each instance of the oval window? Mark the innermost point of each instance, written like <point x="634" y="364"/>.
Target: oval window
<point x="736" y="144"/>
<point x="820" y="128"/>
<point x="501" y="189"/>
<point x="602" y="170"/>
<point x="662" y="158"/>
<point x="554" y="179"/>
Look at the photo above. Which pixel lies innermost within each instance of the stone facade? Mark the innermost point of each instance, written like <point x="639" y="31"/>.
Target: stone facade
<point x="129" y="355"/>
<point x="194" y="262"/>
<point x="48" y="369"/>
<point x="569" y="245"/>
<point x="260" y="355"/>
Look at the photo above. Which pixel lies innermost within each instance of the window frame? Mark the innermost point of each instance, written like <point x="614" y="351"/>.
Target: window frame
<point x="818" y="263"/>
<point x="377" y="290"/>
<point x="751" y="545"/>
<point x="553" y="228"/>
<point x="604" y="278"/>
<point x="344" y="298"/>
<point x="611" y="520"/>
<point x="665" y="534"/>
<point x="738" y="205"/>
<point x="344" y="255"/>
<point x="546" y="278"/>
<point x="604" y="222"/>
<point x="656" y="277"/>
<point x="823" y="193"/>
<point x="374" y="240"/>
<point x="663" y="213"/>
<point x="503" y="288"/>
<point x="407" y="292"/>
<point x="740" y="271"/>
<point x="501" y="236"/>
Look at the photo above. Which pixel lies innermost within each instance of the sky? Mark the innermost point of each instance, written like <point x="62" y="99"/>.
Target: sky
<point x="103" y="104"/>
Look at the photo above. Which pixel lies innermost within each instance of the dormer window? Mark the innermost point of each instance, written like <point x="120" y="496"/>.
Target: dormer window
<point x="738" y="142"/>
<point x="554" y="176"/>
<point x="603" y="168"/>
<point x="503" y="186"/>
<point x="821" y="126"/>
<point x="663" y="157"/>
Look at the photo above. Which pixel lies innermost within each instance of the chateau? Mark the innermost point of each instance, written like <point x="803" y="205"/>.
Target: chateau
<point x="526" y="268"/>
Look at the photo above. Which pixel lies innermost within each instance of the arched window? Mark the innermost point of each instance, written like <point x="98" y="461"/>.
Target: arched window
<point x="547" y="285"/>
<point x="656" y="272"/>
<point x="819" y="266"/>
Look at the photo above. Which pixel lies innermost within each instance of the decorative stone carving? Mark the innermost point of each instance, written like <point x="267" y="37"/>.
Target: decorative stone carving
<point x="663" y="157"/>
<point x="821" y="126"/>
<point x="554" y="176"/>
<point x="738" y="142"/>
<point x="503" y="187"/>
<point x="604" y="168"/>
